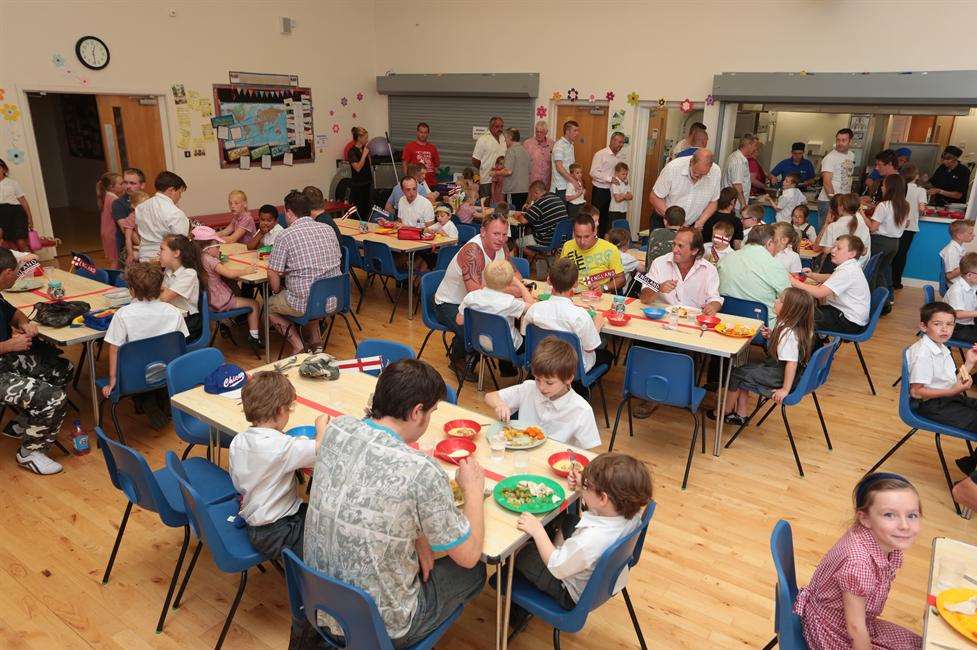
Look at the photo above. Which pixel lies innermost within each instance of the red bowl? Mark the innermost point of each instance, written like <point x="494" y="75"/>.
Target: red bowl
<point x="708" y="321"/>
<point x="616" y="319"/>
<point x="942" y="213"/>
<point x="565" y="455"/>
<point x="443" y="449"/>
<point x="454" y="424"/>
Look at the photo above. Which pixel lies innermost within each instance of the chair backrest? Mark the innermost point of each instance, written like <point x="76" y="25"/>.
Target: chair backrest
<point x="521" y="264"/>
<point x="131" y="474"/>
<point x="489" y="334"/>
<point x="445" y="255"/>
<point x="377" y="258"/>
<point x="659" y="376"/>
<point x="872" y="266"/>
<point x="624" y="224"/>
<point x="311" y="591"/>
<point x="787" y="624"/>
<point x="879" y="296"/>
<point x="929" y="294"/>
<point x="534" y="336"/>
<point x="203" y="308"/>
<point x="450" y="396"/>
<point x="747" y="309"/>
<point x="327" y="296"/>
<point x="142" y="364"/>
<point x="391" y="351"/>
<point x="185" y="372"/>
<point x="353" y="251"/>
<point x="944" y="285"/>
<point x="905" y="410"/>
<point x="465" y="232"/>
<point x="562" y="232"/>
<point x="815" y="373"/>
<point x="430" y="282"/>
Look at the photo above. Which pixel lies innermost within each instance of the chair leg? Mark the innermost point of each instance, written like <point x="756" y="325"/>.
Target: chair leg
<point x="685" y="479"/>
<point x="348" y="329"/>
<point x="824" y="427"/>
<point x="893" y="450"/>
<point x="763" y="400"/>
<point x="630" y="420"/>
<point x="115" y="423"/>
<point x="186" y="452"/>
<point x="633" y="615"/>
<point x="395" y="300"/>
<point x="81" y="364"/>
<point x="176" y="574"/>
<point x="356" y="320"/>
<point x="868" y="375"/>
<point x="603" y="399"/>
<point x="946" y="473"/>
<point x="186" y="576"/>
<point x="617" y="419"/>
<point x="118" y="541"/>
<point x="488" y="364"/>
<point x="325" y="341"/>
<point x="230" y="614"/>
<point x="896" y="382"/>
<point x="556" y="639"/>
<point x="759" y="403"/>
<point x="424" y="343"/>
<point x="790" y="437"/>
<point x="771" y="644"/>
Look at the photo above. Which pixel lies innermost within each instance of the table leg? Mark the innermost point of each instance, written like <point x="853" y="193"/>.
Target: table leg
<point x="410" y="285"/>
<point x="499" y="632"/>
<point x="508" y="600"/>
<point x="90" y="354"/>
<point x="721" y="402"/>
<point x="267" y="319"/>
<point x="213" y="445"/>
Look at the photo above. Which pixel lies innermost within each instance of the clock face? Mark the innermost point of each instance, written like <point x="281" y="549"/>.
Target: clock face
<point x="92" y="52"/>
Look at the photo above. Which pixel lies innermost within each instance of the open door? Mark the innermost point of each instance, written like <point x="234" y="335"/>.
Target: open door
<point x="131" y="134"/>
<point x="654" y="154"/>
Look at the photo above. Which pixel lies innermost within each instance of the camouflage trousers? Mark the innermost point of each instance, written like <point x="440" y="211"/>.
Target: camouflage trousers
<point x="36" y="385"/>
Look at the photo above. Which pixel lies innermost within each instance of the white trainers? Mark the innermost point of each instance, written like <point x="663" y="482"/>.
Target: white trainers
<point x="39" y="463"/>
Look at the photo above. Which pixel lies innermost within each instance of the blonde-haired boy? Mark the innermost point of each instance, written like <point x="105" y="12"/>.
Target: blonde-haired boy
<point x="493" y="299"/>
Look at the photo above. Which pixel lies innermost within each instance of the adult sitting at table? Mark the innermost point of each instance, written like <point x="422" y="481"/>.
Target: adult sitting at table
<point x="752" y="272"/>
<point x="416" y="172"/>
<point x="544" y="210"/>
<point x="951" y="180"/>
<point x="413" y="209"/>
<point x="684" y="277"/>
<point x="303" y="253"/>
<point x="796" y="164"/>
<point x="691" y="182"/>
<point x="597" y="260"/>
<point x="33" y="378"/>
<point x="376" y="519"/>
<point x="464" y="275"/>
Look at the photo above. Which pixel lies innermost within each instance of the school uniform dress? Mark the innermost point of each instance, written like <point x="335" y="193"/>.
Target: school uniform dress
<point x="885" y="240"/>
<point x="847" y="309"/>
<point x="768" y="375"/>
<point x="13" y="218"/>
<point x="962" y="296"/>
<point x="951" y="255"/>
<point x="931" y="364"/>
<point x="566" y="419"/>
<point x="855" y="565"/>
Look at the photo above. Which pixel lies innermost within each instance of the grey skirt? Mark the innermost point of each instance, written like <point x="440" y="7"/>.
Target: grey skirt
<point x="763" y="378"/>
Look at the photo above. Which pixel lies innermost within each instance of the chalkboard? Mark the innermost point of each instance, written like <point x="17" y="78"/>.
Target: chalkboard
<point x="263" y="120"/>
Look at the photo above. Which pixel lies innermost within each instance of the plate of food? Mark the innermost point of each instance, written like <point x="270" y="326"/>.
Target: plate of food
<point x="563" y="461"/>
<point x="26" y="284"/>
<point x="454" y="450"/>
<point x="462" y="428"/>
<point x="958" y="607"/>
<point x="520" y="435"/>
<point x="684" y="312"/>
<point x="529" y="493"/>
<point x="735" y="330"/>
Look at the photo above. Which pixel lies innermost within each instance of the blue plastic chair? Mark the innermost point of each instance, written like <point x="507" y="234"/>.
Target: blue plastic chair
<point x="450" y="396"/>
<point x="788" y="632"/>
<point x="351" y="259"/>
<point x="561" y="234"/>
<point x="815" y="375"/>
<point x="747" y="309"/>
<point x="488" y="335"/>
<point x="141" y="368"/>
<point x="157" y="492"/>
<point x="880" y="296"/>
<point x="202" y="341"/>
<point x="213" y="522"/>
<point x="664" y="378"/>
<point x="944" y="285"/>
<point x="390" y="351"/>
<point x="625" y="552"/>
<point x="445" y="255"/>
<point x="378" y="261"/>
<point x="186" y="372"/>
<point x="535" y="334"/>
<point x="338" y="287"/>
<point x="917" y="422"/>
<point x="311" y="591"/>
<point x="429" y="286"/>
<point x="318" y="308"/>
<point x="624" y="224"/>
<point x="871" y="267"/>
<point x="521" y="264"/>
<point x="465" y="232"/>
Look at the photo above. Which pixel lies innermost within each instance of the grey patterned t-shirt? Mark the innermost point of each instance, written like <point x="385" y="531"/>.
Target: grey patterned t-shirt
<point x="372" y="497"/>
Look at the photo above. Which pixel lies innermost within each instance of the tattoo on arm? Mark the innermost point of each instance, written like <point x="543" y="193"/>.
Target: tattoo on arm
<point x="472" y="264"/>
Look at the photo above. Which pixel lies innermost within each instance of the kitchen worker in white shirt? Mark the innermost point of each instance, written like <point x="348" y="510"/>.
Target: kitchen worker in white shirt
<point x="836" y="172"/>
<point x="691" y="182"/>
<point x="684" y="277"/>
<point x="737" y="172"/>
<point x="563" y="157"/>
<point x="414" y="210"/>
<point x="158" y="217"/>
<point x="602" y="176"/>
<point x="488" y="148"/>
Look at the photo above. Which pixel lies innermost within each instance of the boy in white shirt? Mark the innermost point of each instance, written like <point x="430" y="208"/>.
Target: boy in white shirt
<point x="789" y="199"/>
<point x="268" y="228"/>
<point x="622" y="239"/>
<point x="442" y="222"/>
<point x="262" y="462"/>
<point x="961" y="232"/>
<point x="493" y="299"/>
<point x="145" y="317"/>
<point x="559" y="313"/>
<point x="547" y="400"/>
<point x="721" y="244"/>
<point x="614" y="488"/>
<point x="962" y="296"/>
<point x="621" y="195"/>
<point x="847" y="298"/>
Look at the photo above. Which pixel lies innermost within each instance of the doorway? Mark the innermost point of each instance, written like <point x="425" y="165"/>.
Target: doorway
<point x="592" y="119"/>
<point x="667" y="125"/>
<point x="80" y="137"/>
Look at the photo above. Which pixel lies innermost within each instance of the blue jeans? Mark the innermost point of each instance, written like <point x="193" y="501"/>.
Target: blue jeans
<point x="822" y="214"/>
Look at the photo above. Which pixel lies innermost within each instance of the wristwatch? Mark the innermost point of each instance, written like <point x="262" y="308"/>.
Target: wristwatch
<point x="603" y="288"/>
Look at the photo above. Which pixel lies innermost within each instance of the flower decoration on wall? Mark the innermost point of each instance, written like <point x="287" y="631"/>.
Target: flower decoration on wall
<point x="687" y="105"/>
<point x="661" y="102"/>
<point x="335" y="128"/>
<point x="10" y="112"/>
<point x="57" y="60"/>
<point x="609" y="96"/>
<point x="710" y="100"/>
<point x="359" y="96"/>
<point x="633" y="98"/>
<point x="541" y="112"/>
<point x="15" y="155"/>
<point x="332" y="112"/>
<point x="344" y="102"/>
<point x="573" y="95"/>
<point x="556" y="96"/>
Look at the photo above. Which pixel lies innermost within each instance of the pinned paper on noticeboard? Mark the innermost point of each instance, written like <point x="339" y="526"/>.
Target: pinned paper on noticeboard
<point x="236" y="133"/>
<point x="266" y="161"/>
<point x="245" y="162"/>
<point x="287" y="159"/>
<point x="222" y="133"/>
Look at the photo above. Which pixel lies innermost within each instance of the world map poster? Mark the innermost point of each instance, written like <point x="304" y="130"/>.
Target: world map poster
<point x="262" y="121"/>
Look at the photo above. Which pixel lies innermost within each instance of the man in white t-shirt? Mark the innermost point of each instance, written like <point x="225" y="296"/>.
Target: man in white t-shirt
<point x="488" y="148"/>
<point x="414" y="210"/>
<point x="836" y="172"/>
<point x="737" y="172"/>
<point x="563" y="157"/>
<point x="691" y="182"/>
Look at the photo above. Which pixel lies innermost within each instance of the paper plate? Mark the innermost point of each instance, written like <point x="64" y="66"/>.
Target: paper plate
<point x="965" y="625"/>
<point x="721" y="329"/>
<point x="537" y="506"/>
<point x="515" y="424"/>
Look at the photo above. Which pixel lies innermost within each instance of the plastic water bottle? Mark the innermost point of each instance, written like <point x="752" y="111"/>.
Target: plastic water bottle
<point x="79" y="440"/>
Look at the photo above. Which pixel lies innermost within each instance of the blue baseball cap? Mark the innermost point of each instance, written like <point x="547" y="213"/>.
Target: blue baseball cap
<point x="227" y="381"/>
<point x="904" y="151"/>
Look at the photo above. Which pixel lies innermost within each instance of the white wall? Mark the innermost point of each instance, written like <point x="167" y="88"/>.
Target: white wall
<point x="964" y="135"/>
<point x="804" y="127"/>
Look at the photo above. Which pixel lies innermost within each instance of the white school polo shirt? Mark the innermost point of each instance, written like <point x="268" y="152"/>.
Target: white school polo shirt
<point x="790" y="259"/>
<point x="790" y="199"/>
<point x="573" y="563"/>
<point x="787" y="347"/>
<point x="931" y="364"/>
<point x="962" y="296"/>
<point x="186" y="285"/>
<point x="699" y="287"/>
<point x="143" y="319"/>
<point x="849" y="292"/>
<point x="568" y="418"/>
<point x="951" y="255"/>
<point x="499" y="303"/>
<point x="559" y="313"/>
<point x="886" y="218"/>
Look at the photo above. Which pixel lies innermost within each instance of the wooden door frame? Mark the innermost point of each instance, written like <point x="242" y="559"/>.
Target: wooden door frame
<point x="39" y="207"/>
<point x="588" y="184"/>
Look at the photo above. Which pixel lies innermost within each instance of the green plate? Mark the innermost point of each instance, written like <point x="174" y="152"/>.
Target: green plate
<point x="536" y="507"/>
<point x="264" y="249"/>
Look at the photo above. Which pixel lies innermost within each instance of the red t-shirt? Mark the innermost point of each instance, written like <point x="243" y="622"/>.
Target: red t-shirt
<point x="423" y="154"/>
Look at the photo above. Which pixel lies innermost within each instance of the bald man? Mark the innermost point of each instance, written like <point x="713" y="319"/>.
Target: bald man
<point x="692" y="182"/>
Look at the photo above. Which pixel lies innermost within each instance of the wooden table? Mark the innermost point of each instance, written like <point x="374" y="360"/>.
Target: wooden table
<point x="350" y="395"/>
<point x="75" y="288"/>
<point x="687" y="336"/>
<point x="406" y="246"/>
<point x="937" y="634"/>
<point x="238" y="256"/>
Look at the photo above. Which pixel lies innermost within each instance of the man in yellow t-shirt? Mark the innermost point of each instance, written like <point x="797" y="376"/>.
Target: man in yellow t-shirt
<point x="598" y="260"/>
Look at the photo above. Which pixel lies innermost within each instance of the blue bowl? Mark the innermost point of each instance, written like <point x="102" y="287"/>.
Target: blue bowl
<point x="654" y="313"/>
<point x="304" y="431"/>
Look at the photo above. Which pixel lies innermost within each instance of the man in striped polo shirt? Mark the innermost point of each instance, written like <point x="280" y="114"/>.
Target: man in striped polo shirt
<point x="545" y="209"/>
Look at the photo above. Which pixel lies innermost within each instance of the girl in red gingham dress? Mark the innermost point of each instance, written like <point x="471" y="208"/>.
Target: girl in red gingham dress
<point x="840" y="607"/>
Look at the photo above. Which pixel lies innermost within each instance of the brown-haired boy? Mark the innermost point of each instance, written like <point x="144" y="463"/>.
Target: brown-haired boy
<point x="262" y="462"/>
<point x="614" y="489"/>
<point x="547" y="400"/>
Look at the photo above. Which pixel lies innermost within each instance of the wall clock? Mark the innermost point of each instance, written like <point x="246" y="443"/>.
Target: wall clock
<point x="92" y="52"/>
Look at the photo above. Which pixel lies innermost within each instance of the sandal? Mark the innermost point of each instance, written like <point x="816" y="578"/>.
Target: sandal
<point x="735" y="418"/>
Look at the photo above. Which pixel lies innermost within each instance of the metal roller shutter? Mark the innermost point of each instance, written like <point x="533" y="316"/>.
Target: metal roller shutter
<point x="451" y="120"/>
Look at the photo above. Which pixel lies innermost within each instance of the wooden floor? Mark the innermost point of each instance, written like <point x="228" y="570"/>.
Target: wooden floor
<point x="705" y="579"/>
